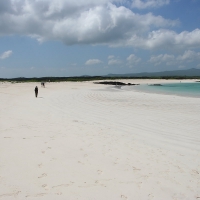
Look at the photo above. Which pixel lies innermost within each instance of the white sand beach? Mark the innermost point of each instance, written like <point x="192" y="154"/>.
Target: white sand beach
<point x="84" y="141"/>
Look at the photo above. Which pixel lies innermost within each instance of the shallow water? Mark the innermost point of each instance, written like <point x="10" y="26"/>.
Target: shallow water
<point x="181" y="89"/>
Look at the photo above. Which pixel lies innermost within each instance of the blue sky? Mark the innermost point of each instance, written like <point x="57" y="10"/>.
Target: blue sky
<point x="86" y="37"/>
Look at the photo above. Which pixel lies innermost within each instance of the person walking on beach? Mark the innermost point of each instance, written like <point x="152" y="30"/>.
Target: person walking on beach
<point x="42" y="84"/>
<point x="36" y="91"/>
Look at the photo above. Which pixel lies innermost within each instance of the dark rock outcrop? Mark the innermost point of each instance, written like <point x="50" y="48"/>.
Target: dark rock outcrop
<point x="114" y="83"/>
<point x="155" y="85"/>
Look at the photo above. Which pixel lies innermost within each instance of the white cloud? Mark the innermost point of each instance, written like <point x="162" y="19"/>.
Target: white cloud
<point x="187" y="56"/>
<point x="162" y="58"/>
<point x="168" y="39"/>
<point x="87" y="22"/>
<point x="143" y="4"/>
<point x="94" y="22"/>
<point x="5" y="55"/>
<point x="112" y="60"/>
<point x="93" y="62"/>
<point x="133" y="60"/>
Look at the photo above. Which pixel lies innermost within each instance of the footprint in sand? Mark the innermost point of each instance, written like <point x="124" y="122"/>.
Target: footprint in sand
<point x="37" y="195"/>
<point x="134" y="168"/>
<point x="62" y="185"/>
<point x="151" y="196"/>
<point x="40" y="165"/>
<point x="43" y="175"/>
<point x="45" y="186"/>
<point x="99" y="172"/>
<point x="124" y="197"/>
<point x="81" y="163"/>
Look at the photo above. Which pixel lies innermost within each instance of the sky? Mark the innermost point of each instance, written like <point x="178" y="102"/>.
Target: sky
<point x="66" y="38"/>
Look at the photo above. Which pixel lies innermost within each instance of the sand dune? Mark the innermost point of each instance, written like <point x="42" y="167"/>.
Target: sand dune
<point x="86" y="141"/>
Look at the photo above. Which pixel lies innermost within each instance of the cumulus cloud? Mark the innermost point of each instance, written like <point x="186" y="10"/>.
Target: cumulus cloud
<point x="93" y="22"/>
<point x="93" y="62"/>
<point x="5" y="55"/>
<point x="187" y="56"/>
<point x="167" y="39"/>
<point x="90" y="22"/>
<point x="162" y="58"/>
<point x="112" y="60"/>
<point x="133" y="59"/>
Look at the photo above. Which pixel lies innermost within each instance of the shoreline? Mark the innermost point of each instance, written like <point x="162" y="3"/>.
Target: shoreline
<point x="127" y="86"/>
<point x="142" y="90"/>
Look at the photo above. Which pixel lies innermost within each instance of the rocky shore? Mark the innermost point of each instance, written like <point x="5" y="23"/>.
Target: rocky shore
<point x="115" y="83"/>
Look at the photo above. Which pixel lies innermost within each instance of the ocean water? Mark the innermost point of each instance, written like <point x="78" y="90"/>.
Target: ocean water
<point x="180" y="89"/>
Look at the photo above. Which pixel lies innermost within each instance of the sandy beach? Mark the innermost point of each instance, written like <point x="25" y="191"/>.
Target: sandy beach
<point x="84" y="141"/>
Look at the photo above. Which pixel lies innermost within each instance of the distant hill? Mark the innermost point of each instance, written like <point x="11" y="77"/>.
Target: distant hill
<point x="179" y="73"/>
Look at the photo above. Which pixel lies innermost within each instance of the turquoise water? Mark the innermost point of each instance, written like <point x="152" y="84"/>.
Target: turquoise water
<point x="181" y="89"/>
